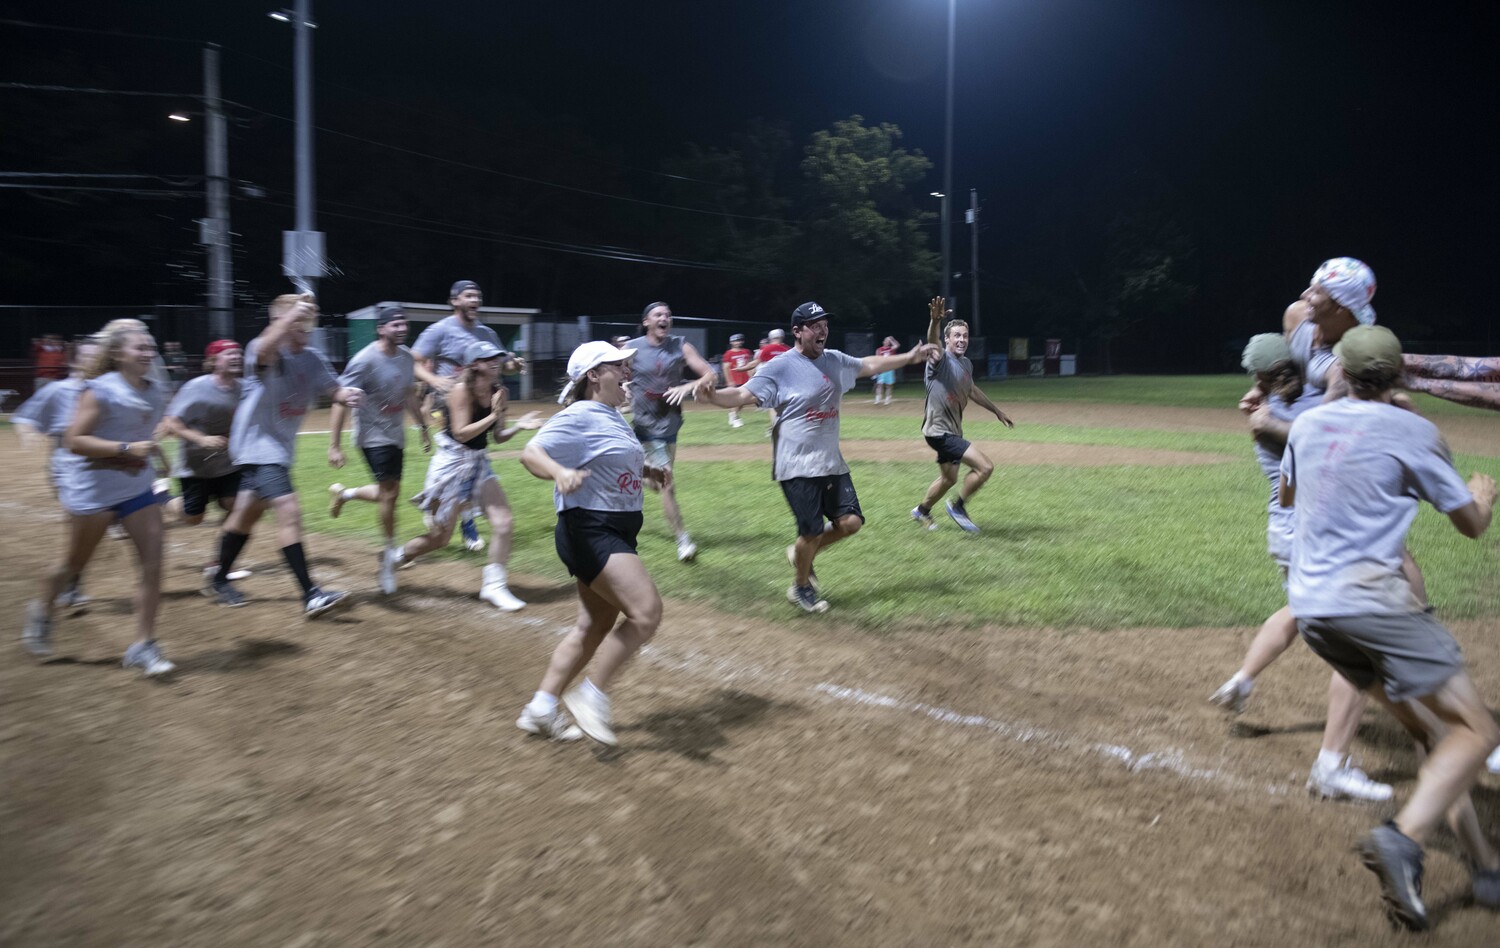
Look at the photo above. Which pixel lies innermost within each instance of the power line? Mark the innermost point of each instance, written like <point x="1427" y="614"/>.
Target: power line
<point x="80" y="29"/>
<point x="178" y="180"/>
<point x="157" y="192"/>
<point x="43" y="88"/>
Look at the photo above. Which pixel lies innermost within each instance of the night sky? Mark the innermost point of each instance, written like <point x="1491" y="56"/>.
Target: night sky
<point x="1293" y="131"/>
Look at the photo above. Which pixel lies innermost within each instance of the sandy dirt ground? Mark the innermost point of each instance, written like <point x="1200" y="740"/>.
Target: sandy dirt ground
<point x="360" y="781"/>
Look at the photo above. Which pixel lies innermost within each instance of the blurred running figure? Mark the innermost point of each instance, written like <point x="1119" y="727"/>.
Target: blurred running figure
<point x="660" y="361"/>
<point x="200" y="416"/>
<point x="439" y="354"/>
<point x="808" y="385"/>
<point x="772" y="346"/>
<point x="950" y="385"/>
<point x="736" y="363"/>
<point x="459" y="475"/>
<point x="595" y="460"/>
<point x="1355" y="470"/>
<point x="885" y="382"/>
<point x="46" y="416"/>
<point x="1268" y="358"/>
<point x="383" y="370"/>
<point x="282" y="376"/>
<point x="113" y="431"/>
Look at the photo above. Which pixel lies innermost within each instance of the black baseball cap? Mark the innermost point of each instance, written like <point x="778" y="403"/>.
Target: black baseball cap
<point x="808" y="312"/>
<point x="460" y="286"/>
<point x="388" y="312"/>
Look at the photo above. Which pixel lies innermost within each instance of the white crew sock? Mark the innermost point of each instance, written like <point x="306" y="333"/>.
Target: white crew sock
<point x="1329" y="760"/>
<point x="543" y="704"/>
<point x="346" y="494"/>
<point x="494" y="574"/>
<point x="592" y="690"/>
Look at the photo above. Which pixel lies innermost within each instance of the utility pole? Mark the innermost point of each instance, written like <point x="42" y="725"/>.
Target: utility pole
<point x="973" y="216"/>
<point x="948" y="160"/>
<point x="214" y="232"/>
<point x="302" y="249"/>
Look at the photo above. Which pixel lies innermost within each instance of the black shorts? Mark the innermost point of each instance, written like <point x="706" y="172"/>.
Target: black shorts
<point x="385" y="461"/>
<point x="198" y="491"/>
<point x="814" y="499"/>
<point x="586" y="539"/>
<point x="266" y="481"/>
<point x="950" y="448"/>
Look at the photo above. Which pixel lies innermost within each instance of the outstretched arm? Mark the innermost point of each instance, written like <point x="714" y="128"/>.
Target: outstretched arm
<point x="977" y="394"/>
<point x="874" y="365"/>
<point x="936" y="310"/>
<point x="1458" y="368"/>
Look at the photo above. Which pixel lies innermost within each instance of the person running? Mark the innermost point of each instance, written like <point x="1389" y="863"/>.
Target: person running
<point x="283" y="374"/>
<point x="950" y="385"/>
<point x="736" y="364"/>
<point x="885" y="382"/>
<point x="660" y="362"/>
<point x="1354" y="471"/>
<point x="439" y="353"/>
<point x="201" y="415"/>
<point x="459" y="477"/>
<point x="114" y="431"/>
<point x="384" y="371"/>
<point x="807" y="386"/>
<point x="45" y="416"/>
<point x="772" y="346"/>
<point x="1268" y="358"/>
<point x="593" y="457"/>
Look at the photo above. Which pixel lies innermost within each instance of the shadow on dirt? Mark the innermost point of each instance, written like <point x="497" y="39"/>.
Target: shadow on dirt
<point x="697" y="731"/>
<point x="247" y="655"/>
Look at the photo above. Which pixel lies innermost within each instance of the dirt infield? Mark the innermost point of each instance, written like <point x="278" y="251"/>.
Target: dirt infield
<point x="360" y="781"/>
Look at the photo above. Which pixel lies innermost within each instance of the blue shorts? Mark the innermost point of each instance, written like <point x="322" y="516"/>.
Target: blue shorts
<point x="139" y="502"/>
<point x="266" y="481"/>
<point x="886" y="378"/>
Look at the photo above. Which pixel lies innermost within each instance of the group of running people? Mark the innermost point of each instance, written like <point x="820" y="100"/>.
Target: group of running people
<point x="1332" y="432"/>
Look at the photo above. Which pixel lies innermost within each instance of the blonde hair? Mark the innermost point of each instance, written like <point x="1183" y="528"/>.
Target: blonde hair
<point x="110" y="340"/>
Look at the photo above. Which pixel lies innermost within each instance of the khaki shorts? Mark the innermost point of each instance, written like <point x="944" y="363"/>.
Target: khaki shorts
<point x="1408" y="654"/>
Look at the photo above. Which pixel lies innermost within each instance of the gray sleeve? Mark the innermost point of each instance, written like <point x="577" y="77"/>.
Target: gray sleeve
<point x="763" y="386"/>
<point x="427" y="343"/>
<point x="36" y="410"/>
<point x="559" y="436"/>
<point x="182" y="403"/>
<point x="849" y="367"/>
<point x="329" y="381"/>
<point x="1433" y="477"/>
<point x="355" y="370"/>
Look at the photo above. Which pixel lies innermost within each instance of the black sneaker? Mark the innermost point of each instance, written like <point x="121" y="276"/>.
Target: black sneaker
<point x="1486" y="887"/>
<point x="961" y="516"/>
<point x="1397" y="860"/>
<point x="812" y="574"/>
<point x="223" y="591"/>
<point x="319" y="602"/>
<point x="807" y="598"/>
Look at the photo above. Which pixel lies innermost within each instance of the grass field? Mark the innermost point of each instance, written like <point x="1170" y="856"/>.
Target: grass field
<point x="1064" y="546"/>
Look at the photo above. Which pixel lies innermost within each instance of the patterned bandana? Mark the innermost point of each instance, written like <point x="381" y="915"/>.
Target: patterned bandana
<point x="1351" y="284"/>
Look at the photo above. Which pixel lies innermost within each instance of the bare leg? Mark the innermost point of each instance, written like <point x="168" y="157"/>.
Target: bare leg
<point x="497" y="511"/>
<point x="1346" y="704"/>
<point x="1413" y="574"/>
<point x="1276" y="635"/>
<point x="980" y="469"/>
<point x="625" y="585"/>
<point x="288" y="520"/>
<point x="595" y="618"/>
<point x="84" y="534"/>
<point x="947" y="477"/>
<point x="807" y="548"/>
<point x="387" y="493"/>
<point x="145" y="529"/>
<point x="434" y="539"/>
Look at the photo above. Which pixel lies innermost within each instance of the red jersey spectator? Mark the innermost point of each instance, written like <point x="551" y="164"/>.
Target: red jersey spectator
<point x="50" y="354"/>
<point x="737" y="361"/>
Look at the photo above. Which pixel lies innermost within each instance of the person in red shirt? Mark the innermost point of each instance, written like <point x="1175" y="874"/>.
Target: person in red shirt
<point x="50" y="354"/>
<point x="769" y="351"/>
<point x="737" y="361"/>
<point x="886" y="380"/>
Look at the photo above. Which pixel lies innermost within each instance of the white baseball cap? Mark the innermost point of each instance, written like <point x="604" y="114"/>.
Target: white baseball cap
<point x="586" y="357"/>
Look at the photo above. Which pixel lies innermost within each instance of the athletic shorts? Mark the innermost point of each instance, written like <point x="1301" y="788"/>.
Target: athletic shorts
<point x="139" y="502"/>
<point x="950" y="448"/>
<point x="198" y="491"/>
<point x="659" y="454"/>
<point x="586" y="539"/>
<point x="1409" y="654"/>
<point x="886" y="378"/>
<point x="267" y="481"/>
<point x="815" y="499"/>
<point x="385" y="461"/>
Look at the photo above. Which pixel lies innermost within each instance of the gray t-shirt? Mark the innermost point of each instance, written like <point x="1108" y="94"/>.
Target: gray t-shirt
<point x="654" y="370"/>
<point x="125" y="414"/>
<point x="50" y="411"/>
<point x="1268" y="456"/>
<point x="203" y="406"/>
<point x="274" y="401"/>
<point x="1314" y="362"/>
<point x="1359" y="469"/>
<point x="387" y="384"/>
<point x="807" y="394"/>
<point x="949" y="381"/>
<point x="445" y="341"/>
<point x="589" y="436"/>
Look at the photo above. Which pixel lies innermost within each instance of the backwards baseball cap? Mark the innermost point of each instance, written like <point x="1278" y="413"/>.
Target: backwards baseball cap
<point x="1264" y="352"/>
<point x="218" y="346"/>
<point x="586" y="357"/>
<point x="737" y="337"/>
<point x="388" y="313"/>
<point x="1369" y="353"/>
<point x="808" y="312"/>
<point x="481" y="349"/>
<point x="460" y="286"/>
<point x="776" y="334"/>
<point x="1351" y="283"/>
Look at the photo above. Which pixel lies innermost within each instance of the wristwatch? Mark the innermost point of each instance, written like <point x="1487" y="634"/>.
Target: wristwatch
<point x="124" y="447"/>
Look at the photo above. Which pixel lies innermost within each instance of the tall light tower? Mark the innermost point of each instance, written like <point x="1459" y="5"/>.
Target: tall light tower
<point x="948" y="161"/>
<point x="302" y="249"/>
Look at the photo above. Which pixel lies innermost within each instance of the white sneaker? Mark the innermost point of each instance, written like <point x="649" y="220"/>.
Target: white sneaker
<point x="389" y="561"/>
<point x="36" y="635"/>
<point x="591" y="711"/>
<point x="74" y="598"/>
<point x="1493" y="764"/>
<point x="335" y="500"/>
<point x="687" y="550"/>
<point x="1347" y="782"/>
<point x="495" y="592"/>
<point x="556" y="726"/>
<point x="1234" y="695"/>
<point x="925" y="519"/>
<point x="148" y="658"/>
<point x="235" y="575"/>
<point x="736" y="423"/>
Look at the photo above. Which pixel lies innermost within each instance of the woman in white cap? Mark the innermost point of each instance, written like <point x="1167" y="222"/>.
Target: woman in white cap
<point x="113" y="431"/>
<point x="460" y="476"/>
<point x="590" y="452"/>
<point x="1333" y="775"/>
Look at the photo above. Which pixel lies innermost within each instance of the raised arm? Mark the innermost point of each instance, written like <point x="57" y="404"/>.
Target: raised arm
<point x="1457" y="368"/>
<point x="1473" y="394"/>
<point x="874" y="365"/>
<point x="936" y="310"/>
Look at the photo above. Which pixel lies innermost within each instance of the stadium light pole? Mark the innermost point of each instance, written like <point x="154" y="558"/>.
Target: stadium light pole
<point x="948" y="160"/>
<point x="302" y="249"/>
